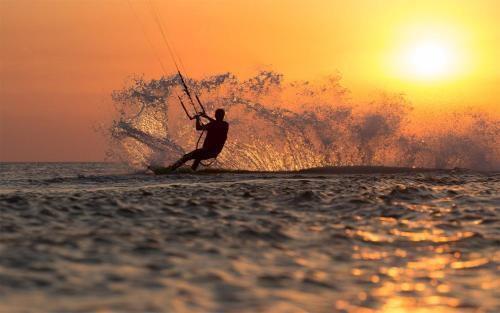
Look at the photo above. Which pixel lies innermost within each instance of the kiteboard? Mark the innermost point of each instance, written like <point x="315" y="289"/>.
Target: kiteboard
<point x="161" y="170"/>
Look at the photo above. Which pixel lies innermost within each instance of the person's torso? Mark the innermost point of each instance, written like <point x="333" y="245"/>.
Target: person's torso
<point x="216" y="136"/>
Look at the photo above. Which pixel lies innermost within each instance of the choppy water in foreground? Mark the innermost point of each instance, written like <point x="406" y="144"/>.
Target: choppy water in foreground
<point x="97" y="238"/>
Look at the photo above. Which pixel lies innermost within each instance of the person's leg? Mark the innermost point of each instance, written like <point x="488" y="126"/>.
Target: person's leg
<point x="200" y="156"/>
<point x="195" y="165"/>
<point x="189" y="156"/>
<point x="197" y="155"/>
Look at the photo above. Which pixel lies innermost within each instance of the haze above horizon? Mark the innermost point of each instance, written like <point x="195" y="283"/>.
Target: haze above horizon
<point x="60" y="60"/>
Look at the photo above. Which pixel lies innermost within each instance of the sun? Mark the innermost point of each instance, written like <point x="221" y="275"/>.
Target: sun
<point x="429" y="60"/>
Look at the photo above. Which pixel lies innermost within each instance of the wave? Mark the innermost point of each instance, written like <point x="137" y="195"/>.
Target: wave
<point x="286" y="126"/>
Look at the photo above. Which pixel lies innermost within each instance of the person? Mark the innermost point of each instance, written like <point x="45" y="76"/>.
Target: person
<point x="214" y="141"/>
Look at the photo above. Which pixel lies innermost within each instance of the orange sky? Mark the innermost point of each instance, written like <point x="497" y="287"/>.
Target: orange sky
<point x="60" y="60"/>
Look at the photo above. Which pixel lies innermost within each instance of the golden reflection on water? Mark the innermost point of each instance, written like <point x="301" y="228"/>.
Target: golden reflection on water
<point x="411" y="305"/>
<point x="425" y="281"/>
<point x="435" y="235"/>
<point x="416" y="287"/>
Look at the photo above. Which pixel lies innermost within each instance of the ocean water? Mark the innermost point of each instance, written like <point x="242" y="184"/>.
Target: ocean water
<point x="100" y="237"/>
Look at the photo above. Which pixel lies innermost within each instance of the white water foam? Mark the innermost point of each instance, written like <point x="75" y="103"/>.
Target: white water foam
<point x="275" y="125"/>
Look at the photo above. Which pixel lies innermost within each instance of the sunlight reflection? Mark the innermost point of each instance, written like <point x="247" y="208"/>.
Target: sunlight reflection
<point x="420" y="285"/>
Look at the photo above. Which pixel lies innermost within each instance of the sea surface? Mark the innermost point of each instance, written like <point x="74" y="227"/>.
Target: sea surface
<point x="99" y="237"/>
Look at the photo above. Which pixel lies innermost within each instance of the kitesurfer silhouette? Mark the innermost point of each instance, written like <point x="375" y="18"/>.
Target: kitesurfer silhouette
<point x="214" y="141"/>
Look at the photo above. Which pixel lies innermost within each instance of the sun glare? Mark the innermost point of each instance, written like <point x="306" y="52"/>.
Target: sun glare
<point x="429" y="59"/>
<point x="430" y="54"/>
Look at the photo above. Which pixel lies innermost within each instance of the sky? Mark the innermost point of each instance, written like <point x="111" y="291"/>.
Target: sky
<point x="60" y="60"/>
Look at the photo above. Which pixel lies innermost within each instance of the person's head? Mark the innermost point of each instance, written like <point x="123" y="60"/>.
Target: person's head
<point x="219" y="114"/>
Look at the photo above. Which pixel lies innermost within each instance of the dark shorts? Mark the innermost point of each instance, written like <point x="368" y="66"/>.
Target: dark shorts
<point x="201" y="154"/>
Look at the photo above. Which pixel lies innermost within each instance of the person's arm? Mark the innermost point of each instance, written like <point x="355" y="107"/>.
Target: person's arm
<point x="199" y="125"/>
<point x="208" y="117"/>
